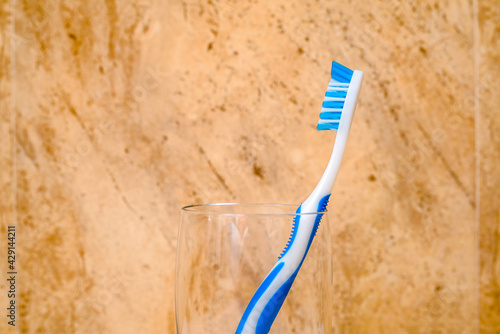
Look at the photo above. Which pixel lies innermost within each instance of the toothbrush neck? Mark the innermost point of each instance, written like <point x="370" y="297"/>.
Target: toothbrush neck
<point x="325" y="185"/>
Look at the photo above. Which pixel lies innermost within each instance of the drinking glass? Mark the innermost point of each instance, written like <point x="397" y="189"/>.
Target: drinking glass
<point x="225" y="251"/>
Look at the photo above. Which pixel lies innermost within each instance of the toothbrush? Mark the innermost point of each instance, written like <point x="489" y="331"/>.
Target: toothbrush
<point x="336" y="114"/>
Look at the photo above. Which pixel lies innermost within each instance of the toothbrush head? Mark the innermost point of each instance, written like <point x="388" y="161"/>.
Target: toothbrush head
<point x="340" y="98"/>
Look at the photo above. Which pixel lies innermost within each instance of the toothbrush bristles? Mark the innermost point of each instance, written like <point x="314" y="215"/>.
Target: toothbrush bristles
<point x="333" y="104"/>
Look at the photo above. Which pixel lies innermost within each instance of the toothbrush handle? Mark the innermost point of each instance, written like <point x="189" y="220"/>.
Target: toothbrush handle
<point x="265" y="304"/>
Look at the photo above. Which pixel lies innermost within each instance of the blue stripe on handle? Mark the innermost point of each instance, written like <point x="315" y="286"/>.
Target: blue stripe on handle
<point x="274" y="305"/>
<point x="258" y="294"/>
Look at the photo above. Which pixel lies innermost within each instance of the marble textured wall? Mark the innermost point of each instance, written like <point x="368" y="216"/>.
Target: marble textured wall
<point x="116" y="114"/>
<point x="487" y="102"/>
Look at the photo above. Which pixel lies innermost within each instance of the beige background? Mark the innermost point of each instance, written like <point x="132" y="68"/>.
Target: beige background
<point x="116" y="114"/>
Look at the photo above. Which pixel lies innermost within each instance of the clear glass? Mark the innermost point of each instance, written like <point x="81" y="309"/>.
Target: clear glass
<point x="225" y="251"/>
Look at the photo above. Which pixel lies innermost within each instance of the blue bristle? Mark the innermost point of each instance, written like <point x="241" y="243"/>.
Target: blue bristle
<point x="344" y="78"/>
<point x="347" y="73"/>
<point x="333" y="104"/>
<point x="328" y="126"/>
<point x="336" y="94"/>
<point x="335" y="115"/>
<point x="341" y="73"/>
<point x="341" y="70"/>
<point x="341" y="67"/>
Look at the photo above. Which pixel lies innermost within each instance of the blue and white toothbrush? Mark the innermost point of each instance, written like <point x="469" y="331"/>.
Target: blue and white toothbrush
<point x="336" y="114"/>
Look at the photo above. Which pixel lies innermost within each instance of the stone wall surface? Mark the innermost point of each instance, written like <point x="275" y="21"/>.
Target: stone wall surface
<point x="115" y="114"/>
<point x="488" y="128"/>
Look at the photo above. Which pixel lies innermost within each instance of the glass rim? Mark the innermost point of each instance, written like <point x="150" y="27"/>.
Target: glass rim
<point x="195" y="208"/>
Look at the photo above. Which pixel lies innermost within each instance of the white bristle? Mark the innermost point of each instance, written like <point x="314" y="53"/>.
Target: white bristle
<point x="327" y="98"/>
